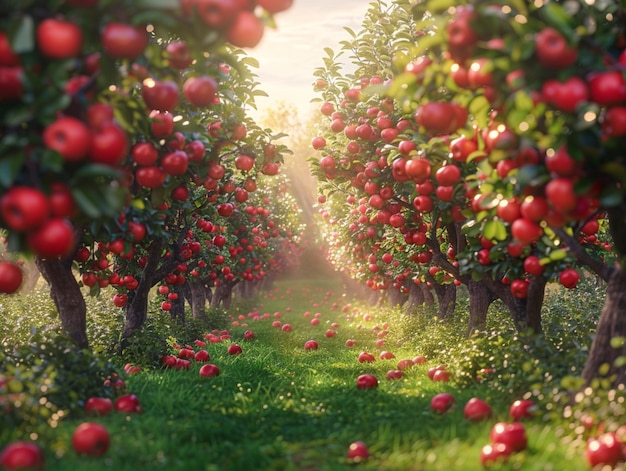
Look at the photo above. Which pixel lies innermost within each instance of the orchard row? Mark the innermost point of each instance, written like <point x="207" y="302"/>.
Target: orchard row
<point x="478" y="144"/>
<point x="128" y="154"/>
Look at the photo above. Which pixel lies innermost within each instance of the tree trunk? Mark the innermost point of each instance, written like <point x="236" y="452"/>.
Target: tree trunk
<point x="429" y="299"/>
<point x="480" y="298"/>
<point x="136" y="311"/>
<point x="525" y="313"/>
<point x="222" y="296"/>
<point x="446" y="298"/>
<point x="178" y="306"/>
<point x="612" y="325"/>
<point x="198" y="299"/>
<point x="137" y="307"/>
<point x="416" y="298"/>
<point x="67" y="297"/>
<point x="374" y="297"/>
<point x="396" y="297"/>
<point x="534" y="303"/>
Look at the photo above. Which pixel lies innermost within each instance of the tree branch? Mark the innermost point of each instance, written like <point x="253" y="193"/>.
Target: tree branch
<point x="599" y="268"/>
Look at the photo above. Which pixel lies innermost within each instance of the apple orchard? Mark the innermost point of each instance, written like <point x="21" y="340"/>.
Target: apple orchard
<point x="128" y="155"/>
<point x="480" y="145"/>
<point x="475" y="146"/>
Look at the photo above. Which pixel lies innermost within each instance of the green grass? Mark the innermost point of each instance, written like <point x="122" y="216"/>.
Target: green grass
<point x="279" y="407"/>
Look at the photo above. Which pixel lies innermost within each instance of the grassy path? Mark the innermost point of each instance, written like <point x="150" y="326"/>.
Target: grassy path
<point x="279" y="407"/>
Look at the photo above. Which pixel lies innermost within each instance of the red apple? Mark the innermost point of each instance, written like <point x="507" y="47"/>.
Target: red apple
<point x="442" y="402"/>
<point x="234" y="349"/>
<point x="124" y="41"/>
<point x="511" y="434"/>
<point x="10" y="277"/>
<point x="246" y="31"/>
<point x="366" y="381"/>
<point x="59" y="39"/>
<point x="209" y="371"/>
<point x="68" y="136"/>
<point x="161" y="95"/>
<point x="91" y="439"/>
<point x="522" y="409"/>
<point x="128" y="403"/>
<point x="24" y="208"/>
<point x="53" y="239"/>
<point x="553" y="51"/>
<point x="311" y="345"/>
<point x="22" y="455"/>
<point x="98" y="406"/>
<point x="476" y="410"/>
<point x="200" y="91"/>
<point x="357" y="452"/>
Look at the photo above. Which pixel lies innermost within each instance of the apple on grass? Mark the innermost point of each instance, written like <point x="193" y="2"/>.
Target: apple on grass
<point x="366" y="357"/>
<point x="128" y="403"/>
<point x="495" y="453"/>
<point x="358" y="451"/>
<point x="386" y="355"/>
<point x="311" y="345"/>
<point x="91" y="439"/>
<point x="366" y="381"/>
<point x="522" y="409"/>
<point x="98" y="406"/>
<point x="442" y="403"/>
<point x="201" y="356"/>
<point x="394" y="374"/>
<point x="476" y="410"/>
<point x="604" y="450"/>
<point x="209" y="371"/>
<point x="511" y="434"/>
<point x="234" y="349"/>
<point x="22" y="455"/>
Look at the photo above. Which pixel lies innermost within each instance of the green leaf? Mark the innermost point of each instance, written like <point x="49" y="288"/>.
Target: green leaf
<point x="572" y="383"/>
<point x="349" y="31"/>
<point x="88" y="203"/>
<point x="435" y="6"/>
<point x="495" y="230"/>
<point x="611" y="197"/>
<point x="250" y="62"/>
<point x="23" y="39"/>
<point x="9" y="168"/>
<point x="531" y="175"/>
<point x="155" y="17"/>
<point x="557" y="255"/>
<point x="620" y="362"/>
<point x="157" y="4"/>
<point x="556" y="16"/>
<point x="618" y="342"/>
<point x="96" y="170"/>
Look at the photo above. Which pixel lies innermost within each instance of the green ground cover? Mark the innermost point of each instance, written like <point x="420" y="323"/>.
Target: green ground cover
<point x="277" y="406"/>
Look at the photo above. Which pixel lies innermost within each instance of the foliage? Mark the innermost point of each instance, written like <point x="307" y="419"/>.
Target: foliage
<point x="276" y="404"/>
<point x="146" y="347"/>
<point x="46" y="377"/>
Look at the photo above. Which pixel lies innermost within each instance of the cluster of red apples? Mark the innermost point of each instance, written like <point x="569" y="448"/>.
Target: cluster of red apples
<point x="85" y="132"/>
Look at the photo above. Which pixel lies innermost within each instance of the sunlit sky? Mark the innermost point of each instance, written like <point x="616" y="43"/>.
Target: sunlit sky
<point x="289" y="54"/>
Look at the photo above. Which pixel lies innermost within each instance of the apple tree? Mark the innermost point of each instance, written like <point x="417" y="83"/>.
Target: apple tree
<point x="482" y="147"/>
<point x="557" y="136"/>
<point x="77" y="96"/>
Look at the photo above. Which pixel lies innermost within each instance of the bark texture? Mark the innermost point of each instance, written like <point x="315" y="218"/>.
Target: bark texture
<point x="67" y="297"/>
<point x="137" y="307"/>
<point x="197" y="299"/>
<point x="612" y="324"/>
<point x="480" y="298"/>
